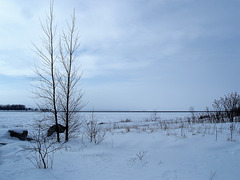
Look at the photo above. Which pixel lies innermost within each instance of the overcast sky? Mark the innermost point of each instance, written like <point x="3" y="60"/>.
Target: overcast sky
<point x="135" y="54"/>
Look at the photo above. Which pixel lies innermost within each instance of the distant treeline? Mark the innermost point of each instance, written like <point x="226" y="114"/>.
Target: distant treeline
<point x="13" y="107"/>
<point x="21" y="107"/>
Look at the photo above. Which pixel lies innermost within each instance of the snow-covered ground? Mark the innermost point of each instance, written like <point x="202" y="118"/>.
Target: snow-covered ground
<point x="137" y="149"/>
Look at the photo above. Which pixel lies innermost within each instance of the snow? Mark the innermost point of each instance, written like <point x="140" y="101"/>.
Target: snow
<point x="146" y="151"/>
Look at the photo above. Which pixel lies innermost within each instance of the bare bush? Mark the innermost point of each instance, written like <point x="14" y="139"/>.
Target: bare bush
<point x="193" y="114"/>
<point x="231" y="128"/>
<point x="127" y="129"/>
<point x="162" y="124"/>
<point x="212" y="175"/>
<point x="140" y="155"/>
<point x="227" y="107"/>
<point x="93" y="131"/>
<point x="139" y="158"/>
<point x="209" y="116"/>
<point x="155" y="117"/>
<point x="41" y="150"/>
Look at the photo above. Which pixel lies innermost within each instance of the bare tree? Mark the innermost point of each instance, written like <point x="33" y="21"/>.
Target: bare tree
<point x="219" y="114"/>
<point x="210" y="115"/>
<point x="69" y="79"/>
<point x="227" y="106"/>
<point x="46" y="89"/>
<point x="231" y="105"/>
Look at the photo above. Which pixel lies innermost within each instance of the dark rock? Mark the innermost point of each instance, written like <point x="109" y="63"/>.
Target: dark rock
<point x="20" y="134"/>
<point x="3" y="143"/>
<point x="53" y="129"/>
<point x="29" y="139"/>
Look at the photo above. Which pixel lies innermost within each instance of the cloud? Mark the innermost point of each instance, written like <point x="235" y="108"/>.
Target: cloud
<point x="116" y="34"/>
<point x="15" y="63"/>
<point x="134" y="44"/>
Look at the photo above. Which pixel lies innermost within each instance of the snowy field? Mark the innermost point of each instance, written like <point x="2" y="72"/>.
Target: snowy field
<point x="136" y="146"/>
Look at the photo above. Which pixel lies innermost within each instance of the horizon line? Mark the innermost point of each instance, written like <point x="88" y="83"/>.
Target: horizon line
<point x="123" y="111"/>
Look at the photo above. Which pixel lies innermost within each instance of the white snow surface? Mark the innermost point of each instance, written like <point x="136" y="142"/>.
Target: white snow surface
<point x="136" y="150"/>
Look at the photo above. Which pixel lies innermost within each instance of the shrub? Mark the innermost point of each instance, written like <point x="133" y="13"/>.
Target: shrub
<point x="93" y="131"/>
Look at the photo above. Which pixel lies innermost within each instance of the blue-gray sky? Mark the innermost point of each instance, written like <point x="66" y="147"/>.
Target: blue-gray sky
<point x="135" y="54"/>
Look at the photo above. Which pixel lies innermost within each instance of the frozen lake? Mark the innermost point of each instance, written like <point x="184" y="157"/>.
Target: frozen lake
<point x="134" y="150"/>
<point x="27" y="117"/>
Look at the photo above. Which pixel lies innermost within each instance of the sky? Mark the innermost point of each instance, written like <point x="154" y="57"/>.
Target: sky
<point x="134" y="54"/>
